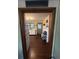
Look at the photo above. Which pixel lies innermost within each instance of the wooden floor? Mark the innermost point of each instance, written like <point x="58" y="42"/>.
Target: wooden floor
<point x="38" y="48"/>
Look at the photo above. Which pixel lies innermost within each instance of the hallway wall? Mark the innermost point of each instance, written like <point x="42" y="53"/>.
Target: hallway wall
<point x="20" y="50"/>
<point x="56" y="45"/>
<point x="21" y="3"/>
<point x="56" y="39"/>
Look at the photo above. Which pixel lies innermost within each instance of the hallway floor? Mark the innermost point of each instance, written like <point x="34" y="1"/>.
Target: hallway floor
<point x="38" y="48"/>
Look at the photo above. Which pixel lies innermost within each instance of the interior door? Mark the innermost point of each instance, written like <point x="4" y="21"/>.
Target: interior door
<point x="50" y="31"/>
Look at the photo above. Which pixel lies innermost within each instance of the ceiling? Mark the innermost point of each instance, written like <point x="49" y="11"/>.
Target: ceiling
<point x="35" y="16"/>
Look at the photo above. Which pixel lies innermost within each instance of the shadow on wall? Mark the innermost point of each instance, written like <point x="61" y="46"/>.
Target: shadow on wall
<point x="56" y="52"/>
<point x="20" y="54"/>
<point x="20" y="51"/>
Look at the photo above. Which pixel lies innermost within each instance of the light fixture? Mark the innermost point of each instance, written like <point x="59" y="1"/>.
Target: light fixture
<point x="29" y="18"/>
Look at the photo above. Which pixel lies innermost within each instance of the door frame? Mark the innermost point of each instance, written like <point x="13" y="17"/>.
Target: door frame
<point x="21" y="12"/>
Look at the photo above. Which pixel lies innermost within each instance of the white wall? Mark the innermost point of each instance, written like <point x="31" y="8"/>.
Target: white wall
<point x="20" y="50"/>
<point x="56" y="45"/>
<point x="21" y="3"/>
<point x="53" y="3"/>
<point x="56" y="39"/>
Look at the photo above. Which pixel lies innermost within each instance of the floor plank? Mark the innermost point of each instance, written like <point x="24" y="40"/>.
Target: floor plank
<point x="38" y="48"/>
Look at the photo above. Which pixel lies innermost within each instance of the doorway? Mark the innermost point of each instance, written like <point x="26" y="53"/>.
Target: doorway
<point x="37" y="28"/>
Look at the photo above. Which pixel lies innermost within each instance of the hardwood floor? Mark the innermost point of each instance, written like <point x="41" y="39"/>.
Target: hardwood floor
<point x="38" y="48"/>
